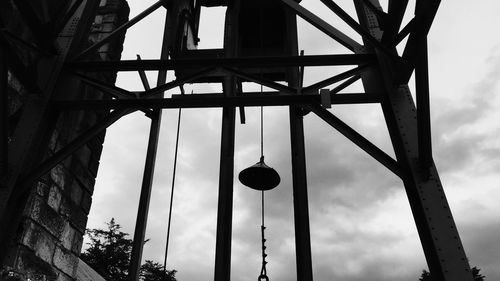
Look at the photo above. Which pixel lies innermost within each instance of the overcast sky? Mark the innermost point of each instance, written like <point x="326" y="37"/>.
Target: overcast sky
<point x="361" y="224"/>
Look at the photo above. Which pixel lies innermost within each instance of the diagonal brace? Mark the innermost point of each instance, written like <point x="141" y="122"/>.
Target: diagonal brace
<point x="339" y="77"/>
<point x="357" y="139"/>
<point x="120" y="30"/>
<point x="262" y="81"/>
<point x="355" y="25"/>
<point x="114" y="91"/>
<point x="178" y="82"/>
<point x="74" y="145"/>
<point x="322" y="25"/>
<point x="345" y="84"/>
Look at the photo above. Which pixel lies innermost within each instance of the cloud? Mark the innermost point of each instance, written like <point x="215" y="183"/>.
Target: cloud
<point x="361" y="224"/>
<point x="464" y="130"/>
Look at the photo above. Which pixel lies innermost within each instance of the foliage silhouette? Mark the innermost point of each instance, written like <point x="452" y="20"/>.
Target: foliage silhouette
<point x="426" y="276"/>
<point x="109" y="254"/>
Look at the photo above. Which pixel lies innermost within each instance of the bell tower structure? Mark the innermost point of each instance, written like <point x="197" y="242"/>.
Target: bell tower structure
<point x="260" y="46"/>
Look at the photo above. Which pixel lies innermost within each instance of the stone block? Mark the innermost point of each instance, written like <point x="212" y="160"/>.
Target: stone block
<point x="54" y="199"/>
<point x="72" y="239"/>
<point x="76" y="247"/>
<point x="67" y="236"/>
<point x="44" y="215"/>
<point x="76" y="216"/>
<point x="84" y="154"/>
<point x="108" y="27"/>
<point x="75" y="192"/>
<point x="83" y="175"/>
<point x="78" y="219"/>
<point x="42" y="189"/>
<point x="110" y="18"/>
<point x="33" y="267"/>
<point x="86" y="202"/>
<point x="39" y="240"/>
<point x="94" y="166"/>
<point x="58" y="175"/>
<point x="95" y="145"/>
<point x="53" y="140"/>
<point x="64" y="277"/>
<point x="65" y="261"/>
<point x="65" y="209"/>
<point x="97" y="27"/>
<point x="104" y="48"/>
<point x="98" y="19"/>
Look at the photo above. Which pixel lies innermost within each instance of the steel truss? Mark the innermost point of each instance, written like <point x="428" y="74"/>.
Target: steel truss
<point x="383" y="72"/>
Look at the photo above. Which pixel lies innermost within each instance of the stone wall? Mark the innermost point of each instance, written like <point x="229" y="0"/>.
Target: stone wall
<point x="50" y="236"/>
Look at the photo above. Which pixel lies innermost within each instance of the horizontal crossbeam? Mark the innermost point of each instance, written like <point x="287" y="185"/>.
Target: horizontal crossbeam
<point x="216" y="100"/>
<point x="251" y="62"/>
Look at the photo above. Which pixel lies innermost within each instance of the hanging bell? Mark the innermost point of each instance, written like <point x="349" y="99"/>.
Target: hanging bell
<point x="260" y="176"/>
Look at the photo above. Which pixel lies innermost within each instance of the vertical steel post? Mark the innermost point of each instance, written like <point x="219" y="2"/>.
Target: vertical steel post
<point x="300" y="199"/>
<point x="225" y="201"/>
<point x="149" y="167"/>
<point x="222" y="271"/>
<point x="435" y="225"/>
<point x="143" y="210"/>
<point x="4" y="114"/>
<point x="299" y="171"/>
<point x="423" y="105"/>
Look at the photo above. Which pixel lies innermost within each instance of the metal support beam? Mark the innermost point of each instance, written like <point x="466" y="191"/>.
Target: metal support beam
<point x="423" y="106"/>
<point x="357" y="139"/>
<point x="355" y="25"/>
<point x="119" y="30"/>
<point x="225" y="201"/>
<point x="144" y="78"/>
<point x="346" y="84"/>
<point x="222" y="270"/>
<point x="149" y="167"/>
<point x="395" y="14"/>
<point x="161" y="88"/>
<point x="143" y="209"/>
<point x="440" y="240"/>
<point x="36" y="124"/>
<point x="438" y="233"/>
<point x="61" y="20"/>
<point x="425" y="11"/>
<point x="38" y="28"/>
<point x="322" y="25"/>
<point x="210" y="100"/>
<point x="4" y="114"/>
<point x="303" y="256"/>
<point x="74" y="145"/>
<point x="262" y="81"/>
<point x="16" y="65"/>
<point x="334" y="79"/>
<point x="403" y="33"/>
<point x="242" y="62"/>
<point x="107" y="88"/>
<point x="300" y="198"/>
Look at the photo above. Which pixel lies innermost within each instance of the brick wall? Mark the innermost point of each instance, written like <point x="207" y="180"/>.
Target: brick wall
<point x="49" y="239"/>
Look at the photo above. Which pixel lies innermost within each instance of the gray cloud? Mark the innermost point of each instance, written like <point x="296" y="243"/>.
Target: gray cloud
<point x="361" y="225"/>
